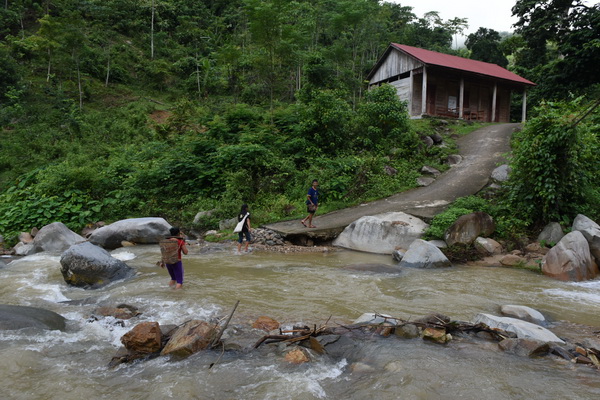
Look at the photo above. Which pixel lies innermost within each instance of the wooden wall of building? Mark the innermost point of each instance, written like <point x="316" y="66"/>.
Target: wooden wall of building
<point x="396" y="63"/>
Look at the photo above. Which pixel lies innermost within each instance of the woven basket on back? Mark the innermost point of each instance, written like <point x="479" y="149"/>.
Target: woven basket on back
<point x="169" y="250"/>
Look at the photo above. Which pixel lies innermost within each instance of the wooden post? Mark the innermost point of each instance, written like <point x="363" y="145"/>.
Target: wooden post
<point x="411" y="94"/>
<point x="494" y="102"/>
<point x="524" y="110"/>
<point x="461" y="98"/>
<point x="424" y="90"/>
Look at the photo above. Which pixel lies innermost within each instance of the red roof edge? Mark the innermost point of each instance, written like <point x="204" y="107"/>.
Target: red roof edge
<point x="429" y="57"/>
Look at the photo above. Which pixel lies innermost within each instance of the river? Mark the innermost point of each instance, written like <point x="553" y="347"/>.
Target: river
<point x="308" y="288"/>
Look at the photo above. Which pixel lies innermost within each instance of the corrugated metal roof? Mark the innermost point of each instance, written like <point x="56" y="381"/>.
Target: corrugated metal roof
<point x="429" y="57"/>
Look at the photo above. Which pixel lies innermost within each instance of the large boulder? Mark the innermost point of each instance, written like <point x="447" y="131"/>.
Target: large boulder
<point x="134" y="230"/>
<point x="190" y="338"/>
<point x="382" y="233"/>
<point x="570" y="259"/>
<point x="87" y="265"/>
<point x="523" y="329"/>
<point x="468" y="227"/>
<point x="422" y="254"/>
<point x="591" y="232"/>
<point x="55" y="237"/>
<point x="19" y="317"/>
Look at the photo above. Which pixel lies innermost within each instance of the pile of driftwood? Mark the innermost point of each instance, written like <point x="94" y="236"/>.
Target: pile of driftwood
<point x="193" y="336"/>
<point x="436" y="328"/>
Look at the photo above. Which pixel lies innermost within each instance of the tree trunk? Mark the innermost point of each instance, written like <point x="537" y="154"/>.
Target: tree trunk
<point x="107" y="68"/>
<point x="49" y="65"/>
<point x="152" y="33"/>
<point x="198" y="77"/>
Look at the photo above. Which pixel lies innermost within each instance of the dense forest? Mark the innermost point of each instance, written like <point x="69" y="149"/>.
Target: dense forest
<point x="122" y="108"/>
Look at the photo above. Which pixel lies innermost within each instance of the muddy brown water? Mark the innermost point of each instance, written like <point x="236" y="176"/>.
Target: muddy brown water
<point x="308" y="288"/>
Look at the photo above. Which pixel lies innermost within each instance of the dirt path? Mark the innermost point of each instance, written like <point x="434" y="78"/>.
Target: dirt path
<point x="482" y="151"/>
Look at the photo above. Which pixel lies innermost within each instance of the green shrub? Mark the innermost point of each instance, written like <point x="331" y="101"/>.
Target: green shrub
<point x="443" y="221"/>
<point x="554" y="164"/>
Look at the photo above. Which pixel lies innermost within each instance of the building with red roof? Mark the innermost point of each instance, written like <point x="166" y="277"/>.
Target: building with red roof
<point x="443" y="85"/>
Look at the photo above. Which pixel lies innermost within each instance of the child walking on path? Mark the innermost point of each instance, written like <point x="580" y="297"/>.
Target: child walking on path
<point x="176" y="268"/>
<point x="312" y="203"/>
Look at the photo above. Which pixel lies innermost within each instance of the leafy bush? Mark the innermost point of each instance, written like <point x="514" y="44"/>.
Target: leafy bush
<point x="443" y="221"/>
<point x="554" y="164"/>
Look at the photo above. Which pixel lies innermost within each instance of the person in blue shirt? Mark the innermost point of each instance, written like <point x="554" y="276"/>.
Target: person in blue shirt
<point x="312" y="203"/>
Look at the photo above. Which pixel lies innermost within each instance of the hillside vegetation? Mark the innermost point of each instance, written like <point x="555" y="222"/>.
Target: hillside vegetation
<point x="123" y="108"/>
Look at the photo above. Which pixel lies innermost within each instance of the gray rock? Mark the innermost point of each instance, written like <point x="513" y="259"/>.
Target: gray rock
<point x="454" y="159"/>
<point x="228" y="224"/>
<point x="523" y="329"/>
<point x="551" y="234"/>
<point x="202" y="214"/>
<point x="425" y="181"/>
<point x="501" y="173"/>
<point x="397" y="255"/>
<point x="55" y="237"/>
<point x="524" y="347"/>
<point x="440" y="244"/>
<point x="408" y="331"/>
<point x="468" y="227"/>
<point x="25" y="237"/>
<point x="437" y="138"/>
<point x="427" y="141"/>
<point x="89" y="266"/>
<point x="487" y="246"/>
<point x="135" y="230"/>
<point x="381" y="233"/>
<point x="581" y="222"/>
<point x="19" y="317"/>
<point x="391" y="171"/>
<point x="422" y="254"/>
<point x="570" y="259"/>
<point x="523" y="312"/>
<point x="591" y="232"/>
<point x="430" y="171"/>
<point x="22" y="249"/>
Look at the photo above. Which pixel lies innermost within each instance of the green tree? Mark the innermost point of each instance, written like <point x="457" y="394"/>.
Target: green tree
<point x="485" y="46"/>
<point x="554" y="164"/>
<point x="563" y="45"/>
<point x="383" y="121"/>
<point x="455" y="26"/>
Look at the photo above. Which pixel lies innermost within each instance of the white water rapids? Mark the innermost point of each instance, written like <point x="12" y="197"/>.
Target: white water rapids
<point x="308" y="288"/>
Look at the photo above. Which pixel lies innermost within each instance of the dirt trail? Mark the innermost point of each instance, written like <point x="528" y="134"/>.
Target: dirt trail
<point x="482" y="151"/>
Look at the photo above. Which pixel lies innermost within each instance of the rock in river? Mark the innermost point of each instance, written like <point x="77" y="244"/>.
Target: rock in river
<point x="382" y="233"/>
<point x="19" y="317"/>
<point x="135" y="230"/>
<point x="86" y="265"/>
<point x="422" y="254"/>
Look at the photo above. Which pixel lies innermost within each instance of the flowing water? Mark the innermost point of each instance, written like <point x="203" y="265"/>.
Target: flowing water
<point x="310" y="288"/>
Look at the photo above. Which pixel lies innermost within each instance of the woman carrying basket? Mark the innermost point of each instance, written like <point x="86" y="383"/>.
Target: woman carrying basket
<point x="173" y="243"/>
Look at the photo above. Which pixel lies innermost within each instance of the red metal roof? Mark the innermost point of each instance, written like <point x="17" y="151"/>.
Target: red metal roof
<point x="429" y="57"/>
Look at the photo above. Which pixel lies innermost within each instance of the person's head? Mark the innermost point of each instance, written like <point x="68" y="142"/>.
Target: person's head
<point x="315" y="183"/>
<point x="175" y="231"/>
<point x="244" y="208"/>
